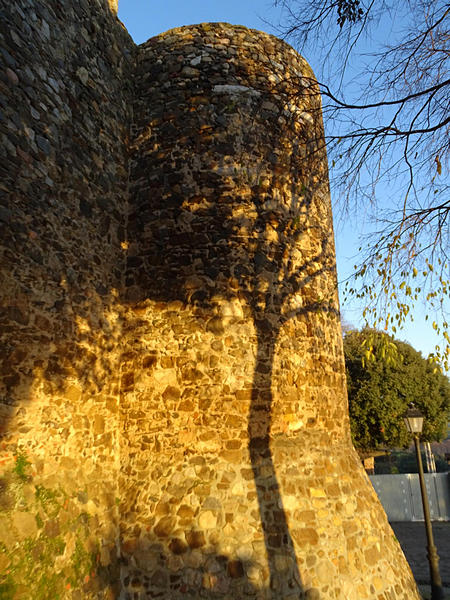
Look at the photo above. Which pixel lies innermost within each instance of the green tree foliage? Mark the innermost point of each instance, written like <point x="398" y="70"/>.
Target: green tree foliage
<point x="380" y="390"/>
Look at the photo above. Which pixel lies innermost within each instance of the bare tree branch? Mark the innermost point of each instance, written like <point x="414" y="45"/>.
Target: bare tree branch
<point x="384" y="73"/>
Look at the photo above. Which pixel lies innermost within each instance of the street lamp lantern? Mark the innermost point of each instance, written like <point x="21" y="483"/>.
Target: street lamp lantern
<point x="414" y="423"/>
<point x="413" y="419"/>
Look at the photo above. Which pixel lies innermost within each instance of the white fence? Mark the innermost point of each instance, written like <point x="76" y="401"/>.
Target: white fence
<point x="401" y="498"/>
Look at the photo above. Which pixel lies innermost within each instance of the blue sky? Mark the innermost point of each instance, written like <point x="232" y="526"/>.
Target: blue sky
<point x="147" y="18"/>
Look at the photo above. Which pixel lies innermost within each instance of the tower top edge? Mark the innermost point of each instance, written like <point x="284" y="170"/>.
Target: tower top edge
<point x="219" y="27"/>
<point x="216" y="30"/>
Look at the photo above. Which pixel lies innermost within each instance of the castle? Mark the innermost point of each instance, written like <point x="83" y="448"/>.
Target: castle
<point x="174" y="419"/>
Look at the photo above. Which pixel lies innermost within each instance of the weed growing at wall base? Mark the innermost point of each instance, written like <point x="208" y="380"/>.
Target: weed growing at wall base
<point x="21" y="465"/>
<point x="48" y="556"/>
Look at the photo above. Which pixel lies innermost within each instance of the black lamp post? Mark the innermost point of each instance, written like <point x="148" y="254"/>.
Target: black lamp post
<point x="414" y="423"/>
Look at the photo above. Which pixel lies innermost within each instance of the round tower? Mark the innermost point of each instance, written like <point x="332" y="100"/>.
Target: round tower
<point x="238" y="473"/>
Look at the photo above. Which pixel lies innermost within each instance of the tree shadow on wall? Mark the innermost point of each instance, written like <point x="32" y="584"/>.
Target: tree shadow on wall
<point x="254" y="228"/>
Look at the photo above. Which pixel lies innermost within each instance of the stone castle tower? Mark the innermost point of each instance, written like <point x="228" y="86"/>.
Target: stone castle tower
<point x="174" y="413"/>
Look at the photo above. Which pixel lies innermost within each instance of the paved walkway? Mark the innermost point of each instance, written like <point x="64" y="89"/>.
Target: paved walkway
<point x="413" y="540"/>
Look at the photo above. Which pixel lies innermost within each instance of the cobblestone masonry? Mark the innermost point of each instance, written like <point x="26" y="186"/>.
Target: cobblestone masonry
<point x="64" y="117"/>
<point x="238" y="477"/>
<point x="228" y="458"/>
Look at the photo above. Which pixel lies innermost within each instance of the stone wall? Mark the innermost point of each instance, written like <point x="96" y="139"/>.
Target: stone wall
<point x="238" y="476"/>
<point x="64" y="119"/>
<point x="171" y="352"/>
